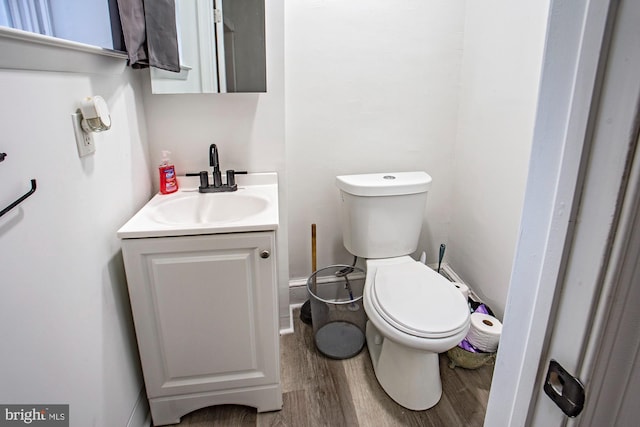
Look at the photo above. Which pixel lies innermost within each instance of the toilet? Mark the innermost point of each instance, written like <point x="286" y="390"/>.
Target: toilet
<point x="414" y="313"/>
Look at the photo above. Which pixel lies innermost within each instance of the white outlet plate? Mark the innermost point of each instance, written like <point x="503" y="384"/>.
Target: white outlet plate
<point x="84" y="140"/>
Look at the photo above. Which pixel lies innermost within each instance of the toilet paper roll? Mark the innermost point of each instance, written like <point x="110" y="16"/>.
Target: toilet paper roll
<point x="464" y="289"/>
<point x="484" y="332"/>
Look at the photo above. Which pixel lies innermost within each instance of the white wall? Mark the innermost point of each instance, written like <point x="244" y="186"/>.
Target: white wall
<point x="248" y="129"/>
<point x="503" y="45"/>
<point x="65" y="322"/>
<point x="371" y="86"/>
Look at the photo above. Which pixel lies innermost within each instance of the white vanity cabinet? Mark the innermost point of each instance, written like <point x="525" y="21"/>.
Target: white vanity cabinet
<point x="205" y="313"/>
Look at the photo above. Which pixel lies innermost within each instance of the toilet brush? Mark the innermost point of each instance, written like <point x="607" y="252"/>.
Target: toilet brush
<point x="345" y="274"/>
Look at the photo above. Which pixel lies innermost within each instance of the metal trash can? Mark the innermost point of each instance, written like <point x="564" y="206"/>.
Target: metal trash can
<point x="339" y="319"/>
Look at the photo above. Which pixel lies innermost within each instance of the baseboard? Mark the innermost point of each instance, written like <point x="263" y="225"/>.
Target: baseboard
<point x="141" y="415"/>
<point x="452" y="276"/>
<point x="147" y="421"/>
<point x="298" y="292"/>
<point x="289" y="328"/>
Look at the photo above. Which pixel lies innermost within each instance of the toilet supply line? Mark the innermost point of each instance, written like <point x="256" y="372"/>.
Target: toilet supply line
<point x="344" y="273"/>
<point x="441" y="256"/>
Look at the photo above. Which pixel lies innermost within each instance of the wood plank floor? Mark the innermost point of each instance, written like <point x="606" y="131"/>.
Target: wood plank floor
<point x="323" y="392"/>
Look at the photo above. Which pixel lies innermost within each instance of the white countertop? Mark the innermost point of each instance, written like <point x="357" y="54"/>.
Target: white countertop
<point x="155" y="218"/>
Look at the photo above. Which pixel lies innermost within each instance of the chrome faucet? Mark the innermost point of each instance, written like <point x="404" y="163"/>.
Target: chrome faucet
<point x="217" y="186"/>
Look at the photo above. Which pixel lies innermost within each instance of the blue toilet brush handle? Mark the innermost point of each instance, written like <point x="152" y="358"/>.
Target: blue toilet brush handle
<point x="442" y="248"/>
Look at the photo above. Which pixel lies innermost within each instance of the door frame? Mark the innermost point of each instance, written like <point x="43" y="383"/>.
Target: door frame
<point x="604" y="225"/>
<point x="611" y="362"/>
<point x="576" y="53"/>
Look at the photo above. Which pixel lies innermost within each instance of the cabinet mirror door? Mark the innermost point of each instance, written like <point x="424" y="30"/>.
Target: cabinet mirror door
<point x="222" y="48"/>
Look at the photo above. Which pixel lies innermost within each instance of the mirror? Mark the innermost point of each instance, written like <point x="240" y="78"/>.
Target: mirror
<point x="222" y="48"/>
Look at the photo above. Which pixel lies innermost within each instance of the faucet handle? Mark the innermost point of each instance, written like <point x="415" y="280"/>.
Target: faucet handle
<point x="204" y="179"/>
<point x="234" y="173"/>
<point x="231" y="178"/>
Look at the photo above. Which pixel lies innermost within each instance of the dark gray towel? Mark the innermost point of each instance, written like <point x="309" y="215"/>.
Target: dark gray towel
<point x="150" y="35"/>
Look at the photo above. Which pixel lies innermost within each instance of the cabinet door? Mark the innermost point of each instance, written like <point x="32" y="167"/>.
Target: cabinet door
<point x="205" y="311"/>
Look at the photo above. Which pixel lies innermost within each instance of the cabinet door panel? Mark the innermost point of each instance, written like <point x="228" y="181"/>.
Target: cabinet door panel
<point x="205" y="306"/>
<point x="204" y="310"/>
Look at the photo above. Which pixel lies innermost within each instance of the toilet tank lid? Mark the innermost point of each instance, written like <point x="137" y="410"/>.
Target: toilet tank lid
<point x="384" y="184"/>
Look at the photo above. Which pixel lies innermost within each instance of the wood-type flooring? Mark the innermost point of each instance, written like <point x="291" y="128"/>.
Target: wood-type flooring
<point x="318" y="391"/>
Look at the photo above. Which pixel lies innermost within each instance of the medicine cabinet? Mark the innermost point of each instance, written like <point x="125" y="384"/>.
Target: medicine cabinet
<point x="222" y="48"/>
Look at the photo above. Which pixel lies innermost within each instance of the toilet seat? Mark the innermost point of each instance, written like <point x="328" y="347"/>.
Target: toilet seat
<point x="416" y="300"/>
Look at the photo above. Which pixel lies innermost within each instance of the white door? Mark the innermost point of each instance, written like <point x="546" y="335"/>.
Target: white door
<point x="578" y="218"/>
<point x="604" y="225"/>
<point x="220" y="46"/>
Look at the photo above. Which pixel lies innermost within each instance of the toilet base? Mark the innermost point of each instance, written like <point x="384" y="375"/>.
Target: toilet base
<point x="410" y="377"/>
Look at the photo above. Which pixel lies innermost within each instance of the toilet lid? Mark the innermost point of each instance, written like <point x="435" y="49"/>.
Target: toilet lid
<point x="418" y="301"/>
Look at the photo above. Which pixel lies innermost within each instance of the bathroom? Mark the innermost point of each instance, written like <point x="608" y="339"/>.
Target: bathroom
<point x="449" y="87"/>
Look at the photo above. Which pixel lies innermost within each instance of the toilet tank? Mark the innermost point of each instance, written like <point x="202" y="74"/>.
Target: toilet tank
<point x="382" y="213"/>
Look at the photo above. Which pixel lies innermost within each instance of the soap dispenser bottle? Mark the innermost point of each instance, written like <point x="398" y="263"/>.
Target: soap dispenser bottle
<point x="168" y="179"/>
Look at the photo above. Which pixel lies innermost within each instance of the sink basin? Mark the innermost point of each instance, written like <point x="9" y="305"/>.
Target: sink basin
<point x="210" y="208"/>
<point x="254" y="207"/>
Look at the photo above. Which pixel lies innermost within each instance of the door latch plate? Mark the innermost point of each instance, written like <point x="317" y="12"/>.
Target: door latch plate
<point x="564" y="389"/>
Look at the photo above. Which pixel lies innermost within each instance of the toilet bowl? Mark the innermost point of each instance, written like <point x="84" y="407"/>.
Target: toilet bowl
<point x="414" y="314"/>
